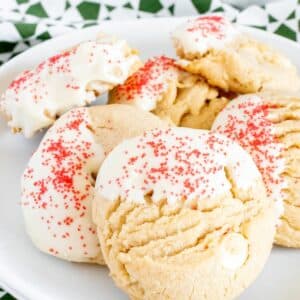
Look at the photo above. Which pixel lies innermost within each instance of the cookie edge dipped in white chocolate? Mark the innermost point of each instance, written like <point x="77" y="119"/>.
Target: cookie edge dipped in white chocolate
<point x="125" y="173"/>
<point x="57" y="189"/>
<point x="198" y="35"/>
<point x="72" y="78"/>
<point x="145" y="87"/>
<point x="245" y="120"/>
<point x="214" y="238"/>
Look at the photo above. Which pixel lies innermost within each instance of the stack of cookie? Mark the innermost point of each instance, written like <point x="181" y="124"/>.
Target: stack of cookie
<point x="182" y="183"/>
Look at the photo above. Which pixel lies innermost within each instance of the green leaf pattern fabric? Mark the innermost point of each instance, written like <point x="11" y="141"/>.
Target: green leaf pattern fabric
<point x="24" y="23"/>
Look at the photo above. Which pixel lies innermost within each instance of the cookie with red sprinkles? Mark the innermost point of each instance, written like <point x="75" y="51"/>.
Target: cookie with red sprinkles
<point x="180" y="209"/>
<point x="197" y="36"/>
<point x="163" y="88"/>
<point x="72" y="78"/>
<point x="148" y="84"/>
<point x="58" y="182"/>
<point x="230" y="58"/>
<point x="268" y="127"/>
<point x="174" y="164"/>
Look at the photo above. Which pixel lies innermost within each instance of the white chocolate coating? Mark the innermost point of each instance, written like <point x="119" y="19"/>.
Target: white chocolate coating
<point x="175" y="164"/>
<point x="246" y="120"/>
<point x="199" y="35"/>
<point x="70" y="79"/>
<point x="57" y="189"/>
<point x="146" y="86"/>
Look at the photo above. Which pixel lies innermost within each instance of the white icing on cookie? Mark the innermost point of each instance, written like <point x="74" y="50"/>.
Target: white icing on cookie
<point x="69" y="79"/>
<point x="146" y="86"/>
<point x="203" y="33"/>
<point x="246" y="121"/>
<point x="175" y="164"/>
<point x="57" y="189"/>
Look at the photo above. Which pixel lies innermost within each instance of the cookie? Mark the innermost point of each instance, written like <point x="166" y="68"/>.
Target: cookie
<point x="268" y="127"/>
<point x="230" y="59"/>
<point x="172" y="94"/>
<point x="72" y="78"/>
<point x="179" y="210"/>
<point x="58" y="183"/>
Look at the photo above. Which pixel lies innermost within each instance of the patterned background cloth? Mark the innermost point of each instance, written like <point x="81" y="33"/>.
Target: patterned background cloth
<point x="24" y="23"/>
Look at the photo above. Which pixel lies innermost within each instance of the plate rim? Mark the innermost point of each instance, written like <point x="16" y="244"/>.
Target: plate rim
<point x="74" y="32"/>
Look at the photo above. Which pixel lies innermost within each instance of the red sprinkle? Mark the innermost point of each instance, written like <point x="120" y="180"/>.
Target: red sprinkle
<point x="144" y="80"/>
<point x="55" y="178"/>
<point x="250" y="127"/>
<point x="208" y="25"/>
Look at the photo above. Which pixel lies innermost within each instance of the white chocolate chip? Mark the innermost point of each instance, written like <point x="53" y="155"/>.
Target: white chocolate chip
<point x="234" y="251"/>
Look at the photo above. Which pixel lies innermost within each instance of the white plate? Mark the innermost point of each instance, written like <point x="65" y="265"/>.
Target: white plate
<point x="29" y="274"/>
